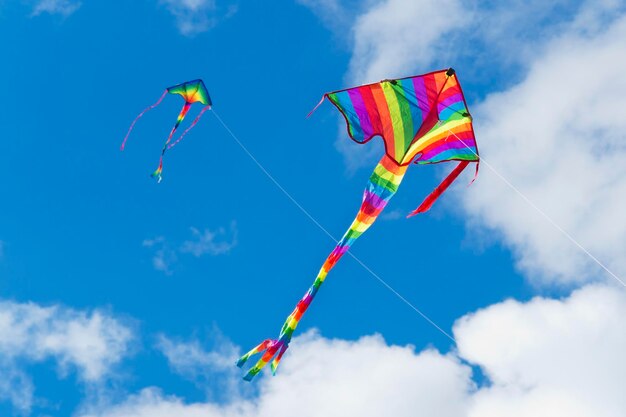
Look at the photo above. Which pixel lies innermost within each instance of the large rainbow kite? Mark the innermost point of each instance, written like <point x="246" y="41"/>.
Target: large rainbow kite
<point x="192" y="92"/>
<point x="422" y="119"/>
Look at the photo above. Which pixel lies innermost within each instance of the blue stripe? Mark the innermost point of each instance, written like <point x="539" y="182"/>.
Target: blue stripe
<point x="354" y="123"/>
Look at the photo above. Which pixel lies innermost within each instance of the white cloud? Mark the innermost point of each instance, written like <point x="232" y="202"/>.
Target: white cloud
<point x="558" y="136"/>
<point x="332" y="378"/>
<point x="549" y="358"/>
<point x="395" y="36"/>
<point x="196" y="16"/>
<point x="89" y="342"/>
<point x="206" y="243"/>
<point x="543" y="358"/>
<point x="334" y="14"/>
<point x="62" y="7"/>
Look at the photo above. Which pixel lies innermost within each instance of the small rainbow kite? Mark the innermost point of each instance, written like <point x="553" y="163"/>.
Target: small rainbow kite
<point x="422" y="119"/>
<point x="192" y="92"/>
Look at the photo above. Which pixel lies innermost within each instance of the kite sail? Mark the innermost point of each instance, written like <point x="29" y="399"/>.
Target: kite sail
<point x="422" y="119"/>
<point x="192" y="92"/>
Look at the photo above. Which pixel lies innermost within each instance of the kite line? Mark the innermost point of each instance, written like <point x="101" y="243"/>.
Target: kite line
<point x="545" y="216"/>
<point x="322" y="228"/>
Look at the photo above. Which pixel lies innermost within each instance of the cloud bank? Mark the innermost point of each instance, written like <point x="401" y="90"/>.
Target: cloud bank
<point x="546" y="357"/>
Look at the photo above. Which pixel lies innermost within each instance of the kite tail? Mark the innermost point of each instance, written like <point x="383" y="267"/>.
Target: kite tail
<point x="132" y="125"/>
<point x="271" y="347"/>
<point x="382" y="185"/>
<point x="181" y="116"/>
<point x="157" y="173"/>
<point x="171" y="145"/>
<point x="434" y="195"/>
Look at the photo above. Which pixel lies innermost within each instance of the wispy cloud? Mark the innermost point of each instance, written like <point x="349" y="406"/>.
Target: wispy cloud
<point x="211" y="369"/>
<point x="206" y="242"/>
<point x="163" y="256"/>
<point x="90" y="342"/>
<point x="211" y="242"/>
<point x="61" y="7"/>
<point x="196" y="16"/>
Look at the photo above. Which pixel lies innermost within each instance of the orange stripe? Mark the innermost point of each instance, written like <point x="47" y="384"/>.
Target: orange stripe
<point x="365" y="218"/>
<point x="385" y="118"/>
<point x="392" y="166"/>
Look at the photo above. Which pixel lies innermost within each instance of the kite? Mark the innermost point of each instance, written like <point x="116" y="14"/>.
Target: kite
<point x="422" y="119"/>
<point x="192" y="92"/>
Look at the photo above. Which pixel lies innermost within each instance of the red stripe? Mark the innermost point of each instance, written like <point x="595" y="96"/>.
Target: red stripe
<point x="372" y="110"/>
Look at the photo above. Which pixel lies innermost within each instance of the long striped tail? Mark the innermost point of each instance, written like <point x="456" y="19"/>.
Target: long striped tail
<point x="382" y="185"/>
<point x="181" y="116"/>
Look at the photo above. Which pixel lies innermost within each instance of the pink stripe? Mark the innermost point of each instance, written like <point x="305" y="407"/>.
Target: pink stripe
<point x="139" y="117"/>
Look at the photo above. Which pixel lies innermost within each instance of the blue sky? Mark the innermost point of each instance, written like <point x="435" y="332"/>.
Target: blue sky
<point x="121" y="296"/>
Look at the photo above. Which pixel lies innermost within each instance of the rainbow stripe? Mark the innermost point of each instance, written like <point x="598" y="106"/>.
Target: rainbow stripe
<point x="422" y="119"/>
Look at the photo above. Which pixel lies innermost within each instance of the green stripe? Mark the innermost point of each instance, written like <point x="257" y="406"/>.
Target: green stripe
<point x="351" y="234"/>
<point x="384" y="183"/>
<point x="396" y="120"/>
<point x="405" y="112"/>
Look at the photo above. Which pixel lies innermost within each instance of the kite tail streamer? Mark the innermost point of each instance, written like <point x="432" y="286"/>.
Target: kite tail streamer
<point x="382" y="185"/>
<point x="181" y="116"/>
<point x="171" y="145"/>
<point x="132" y="125"/>
<point x="315" y="108"/>
<point x="434" y="195"/>
<point x="157" y="173"/>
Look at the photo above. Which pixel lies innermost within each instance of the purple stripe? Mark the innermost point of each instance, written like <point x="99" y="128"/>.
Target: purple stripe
<point x="340" y="250"/>
<point x="361" y="111"/>
<point x="422" y="96"/>
<point x="373" y="199"/>
<point x="442" y="148"/>
<point x="451" y="100"/>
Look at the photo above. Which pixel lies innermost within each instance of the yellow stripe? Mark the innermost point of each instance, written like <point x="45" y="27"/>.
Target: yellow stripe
<point x="435" y="135"/>
<point x="382" y="172"/>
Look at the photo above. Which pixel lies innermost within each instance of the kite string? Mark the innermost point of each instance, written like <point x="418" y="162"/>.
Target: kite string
<point x="307" y="214"/>
<point x="132" y="125"/>
<point x="542" y="213"/>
